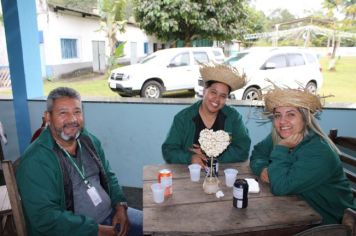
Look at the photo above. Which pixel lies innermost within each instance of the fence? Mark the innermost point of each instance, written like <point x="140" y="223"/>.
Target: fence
<point x="5" y="80"/>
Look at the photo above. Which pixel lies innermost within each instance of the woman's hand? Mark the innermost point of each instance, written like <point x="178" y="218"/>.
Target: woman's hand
<point x="122" y="219"/>
<point x="198" y="157"/>
<point x="196" y="149"/>
<point x="264" y="175"/>
<point x="292" y="141"/>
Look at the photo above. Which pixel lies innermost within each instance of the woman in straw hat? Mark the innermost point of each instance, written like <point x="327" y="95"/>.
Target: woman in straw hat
<point x="298" y="158"/>
<point x="181" y="144"/>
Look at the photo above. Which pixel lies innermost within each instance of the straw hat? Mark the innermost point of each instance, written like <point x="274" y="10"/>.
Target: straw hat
<point x="224" y="74"/>
<point x="282" y="97"/>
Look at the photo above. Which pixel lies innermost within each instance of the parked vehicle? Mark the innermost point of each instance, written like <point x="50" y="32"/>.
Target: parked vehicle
<point x="286" y="67"/>
<point x="165" y="70"/>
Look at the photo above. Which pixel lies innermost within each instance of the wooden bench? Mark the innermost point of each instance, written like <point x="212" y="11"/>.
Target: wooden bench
<point x="347" y="147"/>
<point x="347" y="228"/>
<point x="14" y="197"/>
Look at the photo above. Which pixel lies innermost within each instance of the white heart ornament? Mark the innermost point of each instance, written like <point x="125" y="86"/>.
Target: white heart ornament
<point x="213" y="143"/>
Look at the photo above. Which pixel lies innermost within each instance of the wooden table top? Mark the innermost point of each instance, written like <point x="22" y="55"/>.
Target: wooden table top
<point x="190" y="211"/>
<point x="5" y="207"/>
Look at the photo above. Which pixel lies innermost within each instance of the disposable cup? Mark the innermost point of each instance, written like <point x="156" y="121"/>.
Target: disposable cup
<point x="230" y="177"/>
<point x="194" y="170"/>
<point x="158" y="192"/>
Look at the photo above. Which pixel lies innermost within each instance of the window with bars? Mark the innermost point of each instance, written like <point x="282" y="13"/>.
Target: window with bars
<point x="69" y="48"/>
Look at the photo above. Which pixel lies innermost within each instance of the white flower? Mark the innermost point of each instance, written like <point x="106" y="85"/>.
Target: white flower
<point x="213" y="143"/>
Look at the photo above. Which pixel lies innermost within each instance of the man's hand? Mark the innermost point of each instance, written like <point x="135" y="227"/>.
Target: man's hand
<point x="122" y="219"/>
<point x="105" y="230"/>
<point x="264" y="175"/>
<point x="292" y="141"/>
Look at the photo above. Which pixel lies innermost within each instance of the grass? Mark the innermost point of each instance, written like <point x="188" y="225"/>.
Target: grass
<point x="94" y="86"/>
<point x="339" y="83"/>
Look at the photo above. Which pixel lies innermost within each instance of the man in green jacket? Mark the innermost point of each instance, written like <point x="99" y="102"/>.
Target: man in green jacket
<point x="181" y="144"/>
<point x="66" y="184"/>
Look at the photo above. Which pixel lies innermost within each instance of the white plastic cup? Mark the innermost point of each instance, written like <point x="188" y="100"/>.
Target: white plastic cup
<point x="230" y="176"/>
<point x="158" y="192"/>
<point x="194" y="170"/>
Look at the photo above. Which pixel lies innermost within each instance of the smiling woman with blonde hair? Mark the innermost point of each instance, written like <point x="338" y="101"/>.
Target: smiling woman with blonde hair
<point x="299" y="158"/>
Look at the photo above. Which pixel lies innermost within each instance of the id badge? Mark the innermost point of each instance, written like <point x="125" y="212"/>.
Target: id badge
<point x="94" y="196"/>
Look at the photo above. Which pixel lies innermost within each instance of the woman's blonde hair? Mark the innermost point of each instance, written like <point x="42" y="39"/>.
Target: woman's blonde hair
<point x="310" y="123"/>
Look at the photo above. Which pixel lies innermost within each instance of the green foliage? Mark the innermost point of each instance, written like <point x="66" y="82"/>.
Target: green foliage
<point x="256" y="21"/>
<point x="279" y="16"/>
<point x="112" y="9"/>
<point x="347" y="8"/>
<point x="119" y="52"/>
<point x="171" y="20"/>
<point x="112" y="21"/>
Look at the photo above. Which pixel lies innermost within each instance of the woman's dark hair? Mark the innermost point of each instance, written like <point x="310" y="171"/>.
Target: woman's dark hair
<point x="208" y="84"/>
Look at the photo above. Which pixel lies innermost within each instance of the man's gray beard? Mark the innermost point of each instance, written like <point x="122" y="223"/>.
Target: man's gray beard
<point x="67" y="138"/>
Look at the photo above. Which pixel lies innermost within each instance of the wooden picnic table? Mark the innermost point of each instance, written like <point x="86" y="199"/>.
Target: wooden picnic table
<point x="190" y="211"/>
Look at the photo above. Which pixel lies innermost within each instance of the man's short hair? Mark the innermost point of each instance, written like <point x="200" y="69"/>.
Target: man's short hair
<point x="61" y="92"/>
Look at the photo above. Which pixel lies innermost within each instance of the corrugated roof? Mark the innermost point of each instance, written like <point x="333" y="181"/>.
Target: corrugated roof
<point x="86" y="7"/>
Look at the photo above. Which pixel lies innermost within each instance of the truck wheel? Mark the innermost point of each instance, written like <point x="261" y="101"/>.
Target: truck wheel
<point x="151" y="89"/>
<point x="311" y="87"/>
<point x="252" y="94"/>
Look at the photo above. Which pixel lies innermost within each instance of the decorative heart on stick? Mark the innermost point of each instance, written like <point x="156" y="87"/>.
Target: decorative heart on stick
<point x="213" y="143"/>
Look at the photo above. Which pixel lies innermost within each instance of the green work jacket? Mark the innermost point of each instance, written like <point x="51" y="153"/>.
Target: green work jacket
<point x="41" y="186"/>
<point x="180" y="138"/>
<point x="311" y="170"/>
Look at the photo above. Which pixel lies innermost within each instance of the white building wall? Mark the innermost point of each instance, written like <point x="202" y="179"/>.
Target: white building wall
<point x="135" y="34"/>
<point x="61" y="25"/>
<point x="3" y="50"/>
<point x="132" y="34"/>
<point x="57" y="25"/>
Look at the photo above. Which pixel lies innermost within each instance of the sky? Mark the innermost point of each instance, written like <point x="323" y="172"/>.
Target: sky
<point x="296" y="7"/>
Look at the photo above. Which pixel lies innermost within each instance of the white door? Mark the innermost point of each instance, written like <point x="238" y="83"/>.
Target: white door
<point x="133" y="53"/>
<point x="99" y="64"/>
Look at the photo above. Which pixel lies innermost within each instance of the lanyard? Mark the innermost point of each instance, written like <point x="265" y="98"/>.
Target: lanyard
<point x="81" y="171"/>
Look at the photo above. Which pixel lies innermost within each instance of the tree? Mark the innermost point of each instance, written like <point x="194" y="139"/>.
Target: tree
<point x="112" y="21"/>
<point x="279" y="16"/>
<point x="347" y="8"/>
<point x="171" y="20"/>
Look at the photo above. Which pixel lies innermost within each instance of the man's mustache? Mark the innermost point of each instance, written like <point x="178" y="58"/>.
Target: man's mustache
<point x="71" y="125"/>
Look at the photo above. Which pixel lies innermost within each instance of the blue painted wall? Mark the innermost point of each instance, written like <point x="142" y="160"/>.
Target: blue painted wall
<point x="132" y="133"/>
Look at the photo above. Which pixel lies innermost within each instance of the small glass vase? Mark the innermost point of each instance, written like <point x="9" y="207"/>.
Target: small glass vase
<point x="211" y="181"/>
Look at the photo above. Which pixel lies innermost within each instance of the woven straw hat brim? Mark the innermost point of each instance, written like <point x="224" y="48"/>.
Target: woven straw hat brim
<point x="224" y="74"/>
<point x="286" y="97"/>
